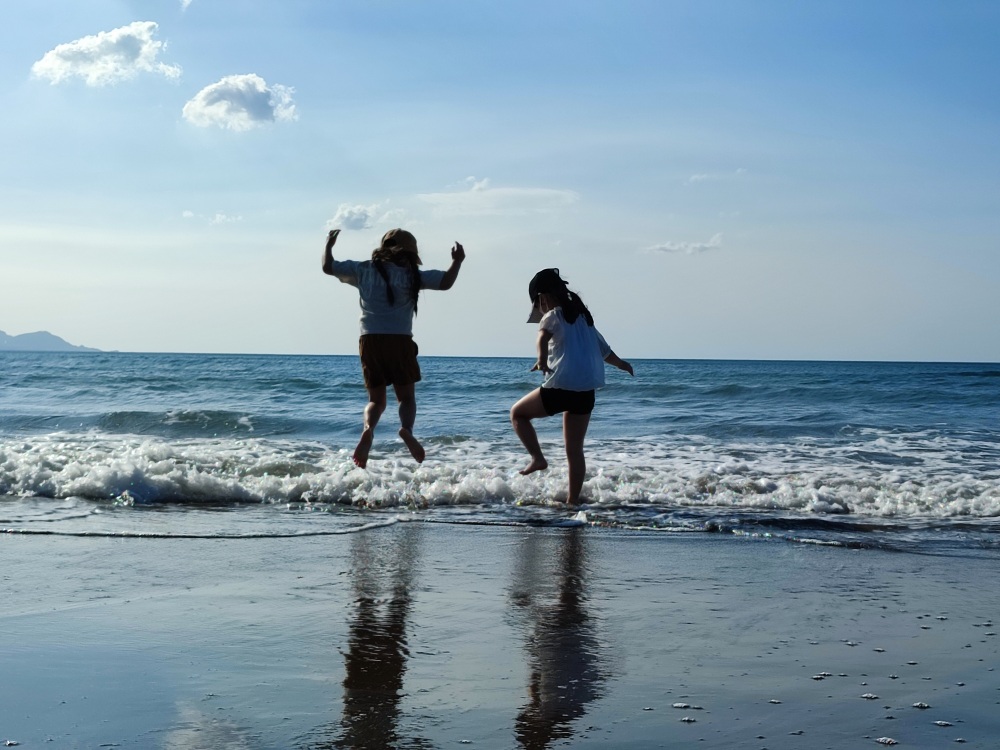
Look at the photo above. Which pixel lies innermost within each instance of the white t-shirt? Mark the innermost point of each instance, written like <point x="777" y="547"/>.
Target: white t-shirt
<point x="576" y="353"/>
<point x="377" y="315"/>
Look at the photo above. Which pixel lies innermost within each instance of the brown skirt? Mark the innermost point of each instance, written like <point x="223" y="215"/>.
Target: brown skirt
<point x="388" y="359"/>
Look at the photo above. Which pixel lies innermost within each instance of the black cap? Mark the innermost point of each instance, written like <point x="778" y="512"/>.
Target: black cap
<point x="545" y="281"/>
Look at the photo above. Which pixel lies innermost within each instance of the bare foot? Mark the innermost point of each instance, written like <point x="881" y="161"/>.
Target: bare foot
<point x="416" y="449"/>
<point x="537" y="464"/>
<point x="364" y="445"/>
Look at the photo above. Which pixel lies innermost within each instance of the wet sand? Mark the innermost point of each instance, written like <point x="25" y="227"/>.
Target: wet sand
<point x="426" y="635"/>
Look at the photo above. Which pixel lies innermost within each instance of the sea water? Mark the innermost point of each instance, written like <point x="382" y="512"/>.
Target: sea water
<point x="896" y="455"/>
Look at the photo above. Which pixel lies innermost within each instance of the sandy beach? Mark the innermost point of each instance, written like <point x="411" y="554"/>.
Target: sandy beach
<point x="425" y="635"/>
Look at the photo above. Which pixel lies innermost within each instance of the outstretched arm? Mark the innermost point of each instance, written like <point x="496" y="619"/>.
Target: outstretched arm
<point x="621" y="364"/>
<point x="457" y="256"/>
<point x="331" y="240"/>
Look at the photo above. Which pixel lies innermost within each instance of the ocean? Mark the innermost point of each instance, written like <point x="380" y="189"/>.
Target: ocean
<point x="897" y="456"/>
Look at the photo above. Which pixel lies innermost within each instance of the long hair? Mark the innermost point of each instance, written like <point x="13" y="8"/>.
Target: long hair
<point x="572" y="306"/>
<point x="550" y="282"/>
<point x="398" y="247"/>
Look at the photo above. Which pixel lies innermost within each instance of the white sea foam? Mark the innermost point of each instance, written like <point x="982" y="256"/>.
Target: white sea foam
<point x="793" y="478"/>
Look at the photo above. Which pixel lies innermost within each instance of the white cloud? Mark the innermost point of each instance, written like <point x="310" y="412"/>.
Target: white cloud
<point x="224" y="219"/>
<point x="688" y="248"/>
<point x="353" y="217"/>
<point x="706" y="177"/>
<point x="213" y="220"/>
<point x="365" y="217"/>
<point x="107" y="57"/>
<point x="480" y="199"/>
<point x="185" y="4"/>
<point x="240" y="102"/>
<point x="475" y="184"/>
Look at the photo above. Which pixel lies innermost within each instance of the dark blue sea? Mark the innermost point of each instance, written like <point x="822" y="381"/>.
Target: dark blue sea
<point x="899" y="456"/>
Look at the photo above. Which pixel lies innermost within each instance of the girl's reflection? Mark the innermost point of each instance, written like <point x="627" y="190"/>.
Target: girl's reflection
<point x="561" y="644"/>
<point x="382" y="567"/>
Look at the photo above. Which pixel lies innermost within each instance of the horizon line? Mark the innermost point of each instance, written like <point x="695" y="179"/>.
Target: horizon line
<point x="93" y="351"/>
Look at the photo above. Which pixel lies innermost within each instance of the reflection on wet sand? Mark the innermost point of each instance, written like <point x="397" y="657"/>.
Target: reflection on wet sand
<point x="382" y="568"/>
<point x="561" y="645"/>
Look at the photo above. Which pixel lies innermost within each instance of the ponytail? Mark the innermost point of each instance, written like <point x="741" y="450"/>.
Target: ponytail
<point x="548" y="281"/>
<point x="572" y="306"/>
<point x="579" y="309"/>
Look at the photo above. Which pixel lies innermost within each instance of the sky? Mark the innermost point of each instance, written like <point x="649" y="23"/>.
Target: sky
<point x="717" y="179"/>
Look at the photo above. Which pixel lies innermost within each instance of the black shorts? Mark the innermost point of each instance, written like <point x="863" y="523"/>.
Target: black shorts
<point x="388" y="359"/>
<point x="556" y="400"/>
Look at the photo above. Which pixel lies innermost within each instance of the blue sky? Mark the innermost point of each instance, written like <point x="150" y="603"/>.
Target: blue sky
<point x="718" y="179"/>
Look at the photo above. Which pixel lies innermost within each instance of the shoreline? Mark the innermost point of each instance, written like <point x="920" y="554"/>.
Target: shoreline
<point x="426" y="635"/>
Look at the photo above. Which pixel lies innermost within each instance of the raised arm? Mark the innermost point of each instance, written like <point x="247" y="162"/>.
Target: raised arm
<point x="331" y="240"/>
<point x="621" y="364"/>
<point x="457" y="256"/>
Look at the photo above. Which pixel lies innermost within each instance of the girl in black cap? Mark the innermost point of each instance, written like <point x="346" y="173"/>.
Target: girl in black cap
<point x="571" y="355"/>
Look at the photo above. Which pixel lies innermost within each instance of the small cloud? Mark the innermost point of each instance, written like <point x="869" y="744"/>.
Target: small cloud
<point x="687" y="248"/>
<point x="107" y="57"/>
<point x="365" y="217"/>
<point x="475" y="184"/>
<point x="481" y="199"/>
<point x="185" y="4"/>
<point x="353" y="217"/>
<point x="706" y="177"/>
<point x="214" y="220"/>
<point x="224" y="219"/>
<point x="240" y="102"/>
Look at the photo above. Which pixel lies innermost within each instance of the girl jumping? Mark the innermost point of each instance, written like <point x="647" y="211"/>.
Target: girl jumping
<point x="388" y="286"/>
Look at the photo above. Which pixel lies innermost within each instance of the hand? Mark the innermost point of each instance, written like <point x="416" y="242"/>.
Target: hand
<point x="331" y="238"/>
<point x="458" y="253"/>
<point x="543" y="367"/>
<point x="628" y="368"/>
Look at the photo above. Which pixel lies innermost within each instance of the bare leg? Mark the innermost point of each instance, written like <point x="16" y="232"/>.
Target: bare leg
<point x="574" y="431"/>
<point x="407" y="398"/>
<point x="376" y="405"/>
<point x="528" y="408"/>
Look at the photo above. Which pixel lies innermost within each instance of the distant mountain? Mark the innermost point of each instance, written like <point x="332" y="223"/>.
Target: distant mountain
<point x="39" y="341"/>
